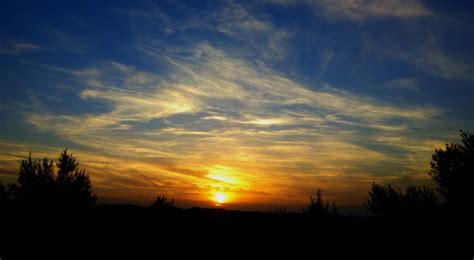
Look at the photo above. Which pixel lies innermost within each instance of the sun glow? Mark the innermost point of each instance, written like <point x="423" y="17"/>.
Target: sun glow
<point x="222" y="184"/>
<point x="220" y="197"/>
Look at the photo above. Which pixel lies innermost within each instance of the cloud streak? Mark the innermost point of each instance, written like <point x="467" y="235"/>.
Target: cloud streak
<point x="18" y="47"/>
<point x="362" y="10"/>
<point x="437" y="63"/>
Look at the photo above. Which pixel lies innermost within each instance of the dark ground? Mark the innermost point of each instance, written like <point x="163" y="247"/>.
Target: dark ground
<point x="114" y="231"/>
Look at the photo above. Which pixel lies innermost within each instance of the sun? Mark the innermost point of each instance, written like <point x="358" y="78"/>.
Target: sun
<point x="220" y="197"/>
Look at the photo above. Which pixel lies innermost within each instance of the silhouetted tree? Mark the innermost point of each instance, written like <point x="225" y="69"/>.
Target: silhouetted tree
<point x="36" y="182"/>
<point x="162" y="203"/>
<point x="452" y="169"/>
<point x="73" y="184"/>
<point x="39" y="186"/>
<point x="318" y="207"/>
<point x="386" y="201"/>
<point x="419" y="200"/>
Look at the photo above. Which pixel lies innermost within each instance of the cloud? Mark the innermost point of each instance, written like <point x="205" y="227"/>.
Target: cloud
<point x="327" y="56"/>
<point x="362" y="10"/>
<point x="249" y="29"/>
<point x="434" y="61"/>
<point x="403" y="83"/>
<point x="54" y="41"/>
<point x="215" y="87"/>
<point x="18" y="47"/>
<point x="91" y="73"/>
<point x="235" y="19"/>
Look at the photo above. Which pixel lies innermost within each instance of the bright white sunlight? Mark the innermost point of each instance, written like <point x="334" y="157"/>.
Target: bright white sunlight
<point x="220" y="197"/>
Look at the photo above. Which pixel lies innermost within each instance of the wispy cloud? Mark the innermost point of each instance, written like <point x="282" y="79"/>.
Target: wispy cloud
<point x="245" y="27"/>
<point x="361" y="10"/>
<point x="18" y="47"/>
<point x="434" y="61"/>
<point x="92" y="73"/>
<point x="254" y="33"/>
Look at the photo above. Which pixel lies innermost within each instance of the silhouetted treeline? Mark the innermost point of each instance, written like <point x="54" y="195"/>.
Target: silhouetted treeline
<point x="386" y="201"/>
<point x="452" y="172"/>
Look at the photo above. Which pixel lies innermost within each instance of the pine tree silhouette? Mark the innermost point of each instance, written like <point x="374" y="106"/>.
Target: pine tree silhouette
<point x="39" y="186"/>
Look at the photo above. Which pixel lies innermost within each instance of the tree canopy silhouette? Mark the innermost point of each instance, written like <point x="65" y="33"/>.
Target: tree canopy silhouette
<point x="386" y="201"/>
<point x="72" y="183"/>
<point x="38" y="185"/>
<point x="318" y="207"/>
<point x="452" y="169"/>
<point x="36" y="182"/>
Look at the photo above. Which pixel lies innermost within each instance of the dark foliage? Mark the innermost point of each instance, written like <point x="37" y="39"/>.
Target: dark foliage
<point x="278" y="210"/>
<point x="452" y="169"/>
<point x="73" y="184"/>
<point x="421" y="199"/>
<point x="39" y="186"/>
<point x="318" y="207"/>
<point x="3" y="193"/>
<point x="162" y="203"/>
<point x="386" y="201"/>
<point x="36" y="183"/>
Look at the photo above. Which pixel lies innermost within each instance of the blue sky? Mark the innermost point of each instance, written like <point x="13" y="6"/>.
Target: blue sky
<point x="260" y="100"/>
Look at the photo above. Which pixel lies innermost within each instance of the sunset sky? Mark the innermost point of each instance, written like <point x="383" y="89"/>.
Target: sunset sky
<point x="236" y="104"/>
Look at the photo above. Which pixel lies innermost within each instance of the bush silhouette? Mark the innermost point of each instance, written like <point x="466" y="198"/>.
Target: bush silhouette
<point x="162" y="203"/>
<point x="386" y="201"/>
<point x="452" y="169"/>
<point x="318" y="207"/>
<point x="39" y="186"/>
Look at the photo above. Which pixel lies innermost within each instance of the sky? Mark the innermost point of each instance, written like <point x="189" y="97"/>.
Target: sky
<point x="236" y="104"/>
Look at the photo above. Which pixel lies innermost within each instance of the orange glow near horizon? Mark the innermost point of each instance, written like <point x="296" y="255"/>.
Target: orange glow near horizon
<point x="222" y="184"/>
<point x="221" y="198"/>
